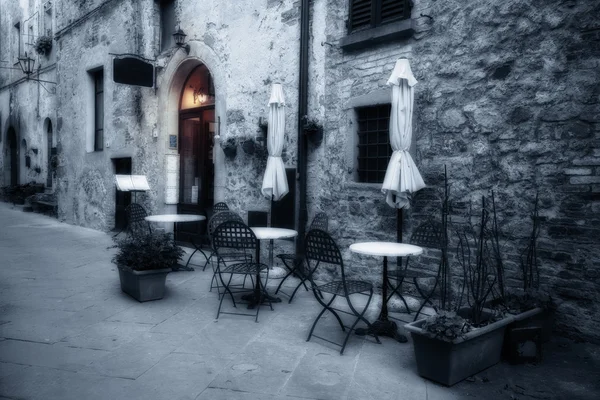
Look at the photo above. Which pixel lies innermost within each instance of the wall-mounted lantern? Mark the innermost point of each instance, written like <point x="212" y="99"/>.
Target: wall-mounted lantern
<point x="180" y="36"/>
<point x="26" y="63"/>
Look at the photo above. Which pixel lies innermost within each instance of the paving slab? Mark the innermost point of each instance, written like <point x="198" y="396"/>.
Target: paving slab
<point x="47" y="355"/>
<point x="67" y="331"/>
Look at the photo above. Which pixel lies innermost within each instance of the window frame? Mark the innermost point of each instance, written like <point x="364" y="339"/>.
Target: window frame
<point x="376" y="15"/>
<point x="98" y="113"/>
<point x="363" y="154"/>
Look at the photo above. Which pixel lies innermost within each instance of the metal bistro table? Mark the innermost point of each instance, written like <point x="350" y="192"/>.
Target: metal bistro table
<point x="267" y="233"/>
<point x="175" y="219"/>
<point x="383" y="326"/>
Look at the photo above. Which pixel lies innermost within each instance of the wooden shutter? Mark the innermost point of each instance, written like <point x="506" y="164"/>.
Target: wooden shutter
<point x="360" y="14"/>
<point x="392" y="10"/>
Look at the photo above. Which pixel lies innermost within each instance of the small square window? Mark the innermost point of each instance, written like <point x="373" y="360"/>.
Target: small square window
<point x="374" y="150"/>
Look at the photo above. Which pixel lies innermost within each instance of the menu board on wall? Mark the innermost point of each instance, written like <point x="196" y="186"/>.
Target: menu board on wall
<point x="172" y="181"/>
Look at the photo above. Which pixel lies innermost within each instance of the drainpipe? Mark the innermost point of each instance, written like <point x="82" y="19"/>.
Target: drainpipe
<point x="302" y="111"/>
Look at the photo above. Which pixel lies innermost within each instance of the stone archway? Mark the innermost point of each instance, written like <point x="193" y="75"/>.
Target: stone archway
<point x="12" y="153"/>
<point x="170" y="86"/>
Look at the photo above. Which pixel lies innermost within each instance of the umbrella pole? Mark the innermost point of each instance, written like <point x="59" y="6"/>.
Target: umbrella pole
<point x="399" y="233"/>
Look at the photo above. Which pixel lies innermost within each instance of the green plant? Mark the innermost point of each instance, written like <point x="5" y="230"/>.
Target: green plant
<point x="147" y="251"/>
<point x="475" y="255"/>
<point x="311" y="125"/>
<point x="43" y="45"/>
<point x="447" y="326"/>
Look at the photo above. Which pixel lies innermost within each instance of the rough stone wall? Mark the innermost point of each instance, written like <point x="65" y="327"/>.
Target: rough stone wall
<point x="508" y="99"/>
<point x="25" y="105"/>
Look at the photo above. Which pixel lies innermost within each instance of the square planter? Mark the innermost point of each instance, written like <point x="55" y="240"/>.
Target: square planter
<point x="451" y="362"/>
<point x="537" y="317"/>
<point x="530" y="329"/>
<point x="143" y="285"/>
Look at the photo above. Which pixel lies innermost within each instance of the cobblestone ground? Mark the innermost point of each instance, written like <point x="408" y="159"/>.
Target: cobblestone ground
<point x="68" y="332"/>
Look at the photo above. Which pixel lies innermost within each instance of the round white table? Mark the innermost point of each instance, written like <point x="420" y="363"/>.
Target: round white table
<point x="267" y="233"/>
<point x="383" y="326"/>
<point x="176" y="218"/>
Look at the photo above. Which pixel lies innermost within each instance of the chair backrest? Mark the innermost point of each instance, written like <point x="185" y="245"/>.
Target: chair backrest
<point x="221" y="206"/>
<point x="233" y="235"/>
<point x="135" y="218"/>
<point x="320" y="247"/>
<point x="428" y="234"/>
<point x="320" y="221"/>
<point x="221" y="217"/>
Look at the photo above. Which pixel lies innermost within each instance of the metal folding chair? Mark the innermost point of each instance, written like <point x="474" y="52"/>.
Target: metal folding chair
<point x="216" y="220"/>
<point x="321" y="248"/>
<point x="232" y="242"/>
<point x="429" y="235"/>
<point x="136" y="222"/>
<point x="295" y="262"/>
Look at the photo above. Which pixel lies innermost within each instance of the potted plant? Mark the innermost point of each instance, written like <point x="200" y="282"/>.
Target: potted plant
<point x="313" y="130"/>
<point x="532" y="308"/>
<point x="453" y="345"/>
<point x="144" y="260"/>
<point x="43" y="45"/>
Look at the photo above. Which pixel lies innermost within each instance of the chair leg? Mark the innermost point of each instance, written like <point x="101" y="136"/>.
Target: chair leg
<point x="396" y="290"/>
<point x="325" y="308"/>
<point x="361" y="316"/>
<point x="426" y="298"/>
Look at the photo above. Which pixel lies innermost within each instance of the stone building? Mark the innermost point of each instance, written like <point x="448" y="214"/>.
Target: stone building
<point x="507" y="100"/>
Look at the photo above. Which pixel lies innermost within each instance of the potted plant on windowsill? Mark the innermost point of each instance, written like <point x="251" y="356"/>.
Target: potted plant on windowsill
<point x="144" y="260"/>
<point x="453" y="345"/>
<point x="43" y="45"/>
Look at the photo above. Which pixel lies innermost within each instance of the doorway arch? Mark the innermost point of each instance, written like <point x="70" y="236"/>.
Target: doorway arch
<point x="195" y="144"/>
<point x="12" y="147"/>
<point x="48" y="134"/>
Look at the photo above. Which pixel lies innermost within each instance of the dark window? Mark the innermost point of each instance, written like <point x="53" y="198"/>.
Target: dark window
<point x="374" y="150"/>
<point x="371" y="13"/>
<point x="98" y="110"/>
<point x="167" y="24"/>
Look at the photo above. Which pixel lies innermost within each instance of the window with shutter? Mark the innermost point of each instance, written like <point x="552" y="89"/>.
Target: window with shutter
<point x="366" y="14"/>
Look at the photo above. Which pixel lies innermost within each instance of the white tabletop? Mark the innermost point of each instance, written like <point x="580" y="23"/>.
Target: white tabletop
<point x="392" y="249"/>
<point x="175" y="218"/>
<point x="263" y="233"/>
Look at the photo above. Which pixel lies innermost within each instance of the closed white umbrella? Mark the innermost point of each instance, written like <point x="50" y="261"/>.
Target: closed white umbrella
<point x="402" y="175"/>
<point x="275" y="184"/>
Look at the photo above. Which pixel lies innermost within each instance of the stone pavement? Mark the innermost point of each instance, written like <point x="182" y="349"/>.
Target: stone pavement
<point x="68" y="332"/>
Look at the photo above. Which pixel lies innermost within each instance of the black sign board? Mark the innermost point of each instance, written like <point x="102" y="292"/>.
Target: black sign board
<point x="133" y="71"/>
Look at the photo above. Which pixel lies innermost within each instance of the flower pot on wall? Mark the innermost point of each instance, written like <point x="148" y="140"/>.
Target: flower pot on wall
<point x="229" y="147"/>
<point x="449" y="362"/>
<point x="315" y="136"/>
<point x="143" y="285"/>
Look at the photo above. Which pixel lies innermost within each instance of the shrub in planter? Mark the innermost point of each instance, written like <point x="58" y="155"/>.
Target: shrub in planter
<point x="313" y="130"/>
<point x="43" y="45"/>
<point x="452" y="346"/>
<point x="144" y="260"/>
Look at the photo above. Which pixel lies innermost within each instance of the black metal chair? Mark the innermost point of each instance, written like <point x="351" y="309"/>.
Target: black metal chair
<point x="321" y="248"/>
<point x="197" y="244"/>
<point x="429" y="235"/>
<point x="232" y="242"/>
<point x="136" y="222"/>
<point x="216" y="220"/>
<point x="295" y="262"/>
<point x="220" y="206"/>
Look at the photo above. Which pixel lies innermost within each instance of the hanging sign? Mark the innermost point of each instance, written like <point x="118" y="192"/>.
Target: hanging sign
<point x="131" y="70"/>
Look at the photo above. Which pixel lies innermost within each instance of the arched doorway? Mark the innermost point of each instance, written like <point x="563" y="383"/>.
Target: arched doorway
<point x="195" y="145"/>
<point x="13" y="155"/>
<point x="49" y="154"/>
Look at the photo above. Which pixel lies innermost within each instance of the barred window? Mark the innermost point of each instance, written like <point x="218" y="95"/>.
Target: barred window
<point x="366" y="14"/>
<point x="374" y="150"/>
<point x="98" y="110"/>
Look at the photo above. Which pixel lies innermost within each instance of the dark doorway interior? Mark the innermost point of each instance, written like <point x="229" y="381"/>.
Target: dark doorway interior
<point x="196" y="184"/>
<point x="11" y="139"/>
<point x="49" y="152"/>
<point x="283" y="212"/>
<point x="121" y="166"/>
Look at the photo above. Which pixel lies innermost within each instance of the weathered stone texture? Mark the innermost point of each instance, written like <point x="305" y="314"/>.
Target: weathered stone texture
<point x="507" y="99"/>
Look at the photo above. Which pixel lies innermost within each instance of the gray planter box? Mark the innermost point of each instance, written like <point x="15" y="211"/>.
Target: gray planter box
<point x="143" y="285"/>
<point x="451" y="362"/>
